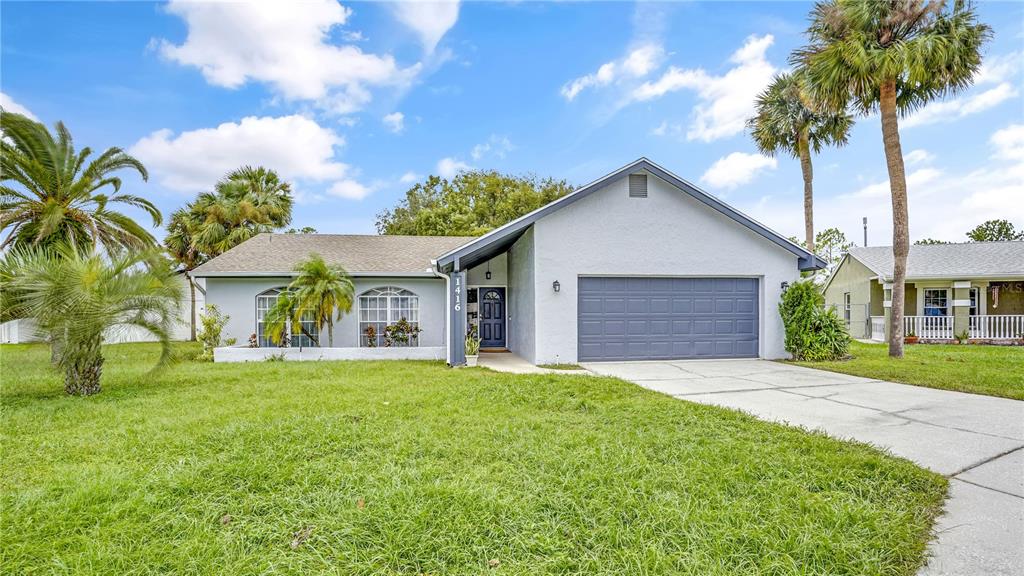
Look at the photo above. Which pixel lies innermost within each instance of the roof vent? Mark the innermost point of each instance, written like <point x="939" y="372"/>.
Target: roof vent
<point x="638" y="185"/>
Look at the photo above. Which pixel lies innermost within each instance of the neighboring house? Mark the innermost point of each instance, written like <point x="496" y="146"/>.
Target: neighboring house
<point x="976" y="287"/>
<point x="637" y="265"/>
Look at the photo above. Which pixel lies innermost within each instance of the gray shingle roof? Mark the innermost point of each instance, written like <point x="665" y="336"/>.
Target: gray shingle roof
<point x="268" y="254"/>
<point x="953" y="261"/>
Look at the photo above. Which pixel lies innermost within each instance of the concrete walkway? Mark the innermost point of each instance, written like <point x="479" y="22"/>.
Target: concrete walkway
<point x="976" y="441"/>
<point x="509" y="362"/>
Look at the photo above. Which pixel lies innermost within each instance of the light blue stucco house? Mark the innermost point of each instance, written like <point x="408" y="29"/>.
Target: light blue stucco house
<point x="637" y="265"/>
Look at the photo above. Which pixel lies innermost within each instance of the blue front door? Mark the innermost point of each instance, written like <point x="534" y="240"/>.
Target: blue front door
<point x="492" y="317"/>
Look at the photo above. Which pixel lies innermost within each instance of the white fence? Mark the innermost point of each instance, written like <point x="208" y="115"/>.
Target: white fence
<point x="929" y="327"/>
<point x="878" y="328"/>
<point x="997" y="327"/>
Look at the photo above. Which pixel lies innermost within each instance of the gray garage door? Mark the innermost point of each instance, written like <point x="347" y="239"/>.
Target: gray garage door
<point x="667" y="318"/>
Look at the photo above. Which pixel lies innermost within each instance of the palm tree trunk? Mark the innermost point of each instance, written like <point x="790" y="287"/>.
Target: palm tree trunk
<point x="192" y="316"/>
<point x="82" y="375"/>
<point x="805" y="165"/>
<point x="330" y="332"/>
<point x="900" y="228"/>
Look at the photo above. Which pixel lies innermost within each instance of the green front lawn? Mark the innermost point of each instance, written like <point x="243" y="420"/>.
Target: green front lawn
<point x="991" y="370"/>
<point x="414" y="468"/>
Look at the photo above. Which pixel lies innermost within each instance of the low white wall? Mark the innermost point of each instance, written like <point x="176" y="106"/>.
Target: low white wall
<point x="246" y="354"/>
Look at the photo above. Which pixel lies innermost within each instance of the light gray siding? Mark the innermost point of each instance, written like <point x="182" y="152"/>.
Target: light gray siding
<point x="236" y="297"/>
<point x="667" y="234"/>
<point x="522" y="323"/>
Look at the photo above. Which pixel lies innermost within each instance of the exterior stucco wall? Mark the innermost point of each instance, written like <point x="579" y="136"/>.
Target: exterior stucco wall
<point x="666" y="234"/>
<point x="521" y="298"/>
<point x="477" y="275"/>
<point x="236" y="297"/>
<point x="853" y="277"/>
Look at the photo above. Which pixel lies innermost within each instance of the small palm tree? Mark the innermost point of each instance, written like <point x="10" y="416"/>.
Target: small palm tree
<point x="891" y="56"/>
<point x="49" y="191"/>
<point x="319" y="291"/>
<point x="76" y="297"/>
<point x="787" y="122"/>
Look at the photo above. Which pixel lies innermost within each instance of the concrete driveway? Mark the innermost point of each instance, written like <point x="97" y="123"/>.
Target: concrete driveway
<point x="977" y="441"/>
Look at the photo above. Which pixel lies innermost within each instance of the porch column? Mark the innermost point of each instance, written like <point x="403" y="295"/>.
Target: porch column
<point x="887" y="306"/>
<point x="457" y="320"/>
<point x="961" y="307"/>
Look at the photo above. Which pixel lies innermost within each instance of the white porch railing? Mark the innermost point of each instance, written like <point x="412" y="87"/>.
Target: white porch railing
<point x="878" y="328"/>
<point x="929" y="327"/>
<point x="997" y="327"/>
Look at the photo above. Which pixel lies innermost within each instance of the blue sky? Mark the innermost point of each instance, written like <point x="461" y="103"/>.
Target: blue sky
<point x="352" y="102"/>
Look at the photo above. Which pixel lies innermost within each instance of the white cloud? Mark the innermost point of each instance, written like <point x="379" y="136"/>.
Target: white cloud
<point x="429" y="20"/>
<point x="1009" y="144"/>
<point x="394" y="122"/>
<point x="497" y="146"/>
<point x="409" y="177"/>
<point x="942" y="205"/>
<point x="725" y="101"/>
<point x="273" y="42"/>
<point x="919" y="156"/>
<point x="450" y="167"/>
<point x="737" y="169"/>
<point x="1000" y="68"/>
<point x="349" y="189"/>
<point x="9" y="105"/>
<point x="638" y="63"/>
<point x="296" y="147"/>
<point x="957" y="108"/>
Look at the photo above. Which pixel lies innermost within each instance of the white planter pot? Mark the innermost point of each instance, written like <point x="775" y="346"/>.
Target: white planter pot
<point x="471" y="360"/>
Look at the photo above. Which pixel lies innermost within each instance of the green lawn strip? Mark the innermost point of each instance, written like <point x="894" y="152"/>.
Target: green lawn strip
<point x="410" y="467"/>
<point x="561" y="366"/>
<point x="978" y="369"/>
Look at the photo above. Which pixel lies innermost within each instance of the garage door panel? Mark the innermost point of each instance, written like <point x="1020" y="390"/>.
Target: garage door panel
<point x="637" y="318"/>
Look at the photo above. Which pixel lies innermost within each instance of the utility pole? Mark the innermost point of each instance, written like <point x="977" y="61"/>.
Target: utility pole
<point x="865" y="231"/>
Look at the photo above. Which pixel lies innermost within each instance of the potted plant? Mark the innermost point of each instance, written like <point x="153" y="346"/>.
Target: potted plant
<point x="472" y="349"/>
<point x="963" y="337"/>
<point x="910" y="338"/>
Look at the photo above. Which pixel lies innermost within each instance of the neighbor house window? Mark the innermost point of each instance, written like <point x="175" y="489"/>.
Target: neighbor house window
<point x="266" y="301"/>
<point x="381" y="307"/>
<point x="936" y="302"/>
<point x="974" y="302"/>
<point x="846" y="307"/>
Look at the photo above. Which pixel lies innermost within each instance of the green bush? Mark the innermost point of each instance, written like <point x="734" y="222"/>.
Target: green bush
<point x="211" y="325"/>
<point x="812" y="332"/>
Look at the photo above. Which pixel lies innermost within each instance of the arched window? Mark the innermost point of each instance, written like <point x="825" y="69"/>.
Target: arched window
<point x="382" y="307"/>
<point x="264" y="302"/>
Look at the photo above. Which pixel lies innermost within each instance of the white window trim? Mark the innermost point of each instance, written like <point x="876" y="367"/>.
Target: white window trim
<point x="388" y="293"/>
<point x="288" y="326"/>
<point x="922" y="291"/>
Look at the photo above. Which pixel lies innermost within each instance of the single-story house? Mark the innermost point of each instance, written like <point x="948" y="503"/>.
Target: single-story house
<point x="637" y="265"/>
<point x="976" y="287"/>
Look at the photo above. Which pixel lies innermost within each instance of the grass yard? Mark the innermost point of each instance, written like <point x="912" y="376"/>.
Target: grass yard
<point x="991" y="370"/>
<point x="414" y="468"/>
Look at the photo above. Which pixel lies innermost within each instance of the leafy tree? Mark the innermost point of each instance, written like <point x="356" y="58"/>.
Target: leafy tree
<point x="891" y="56"/>
<point x="832" y="244"/>
<point x="928" y="242"/>
<point x="787" y="122"/>
<point x="995" y="231"/>
<point x="246" y="202"/>
<point x="319" y="290"/>
<point x="75" y="297"/>
<point x="51" y="193"/>
<point x="471" y="204"/>
<point x="303" y="230"/>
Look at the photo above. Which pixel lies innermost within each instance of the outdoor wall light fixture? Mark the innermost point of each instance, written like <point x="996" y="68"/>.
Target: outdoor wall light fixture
<point x="556" y="286"/>
<point x="785" y="285"/>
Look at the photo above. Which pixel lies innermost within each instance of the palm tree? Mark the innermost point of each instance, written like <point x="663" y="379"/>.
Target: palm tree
<point x="246" y="202"/>
<point x="317" y="291"/>
<point x="77" y="297"/>
<point x="785" y="121"/>
<point x="891" y="56"/>
<point x="49" y="191"/>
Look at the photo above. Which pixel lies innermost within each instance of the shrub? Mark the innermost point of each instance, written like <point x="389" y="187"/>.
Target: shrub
<point x="212" y="325"/>
<point x="812" y="332"/>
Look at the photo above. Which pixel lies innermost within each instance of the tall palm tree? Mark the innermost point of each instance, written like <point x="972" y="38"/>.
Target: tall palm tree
<point x="50" y="193"/>
<point x="244" y="203"/>
<point x="77" y="297"/>
<point x="891" y="56"/>
<point x="319" y="291"/>
<point x="787" y="122"/>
